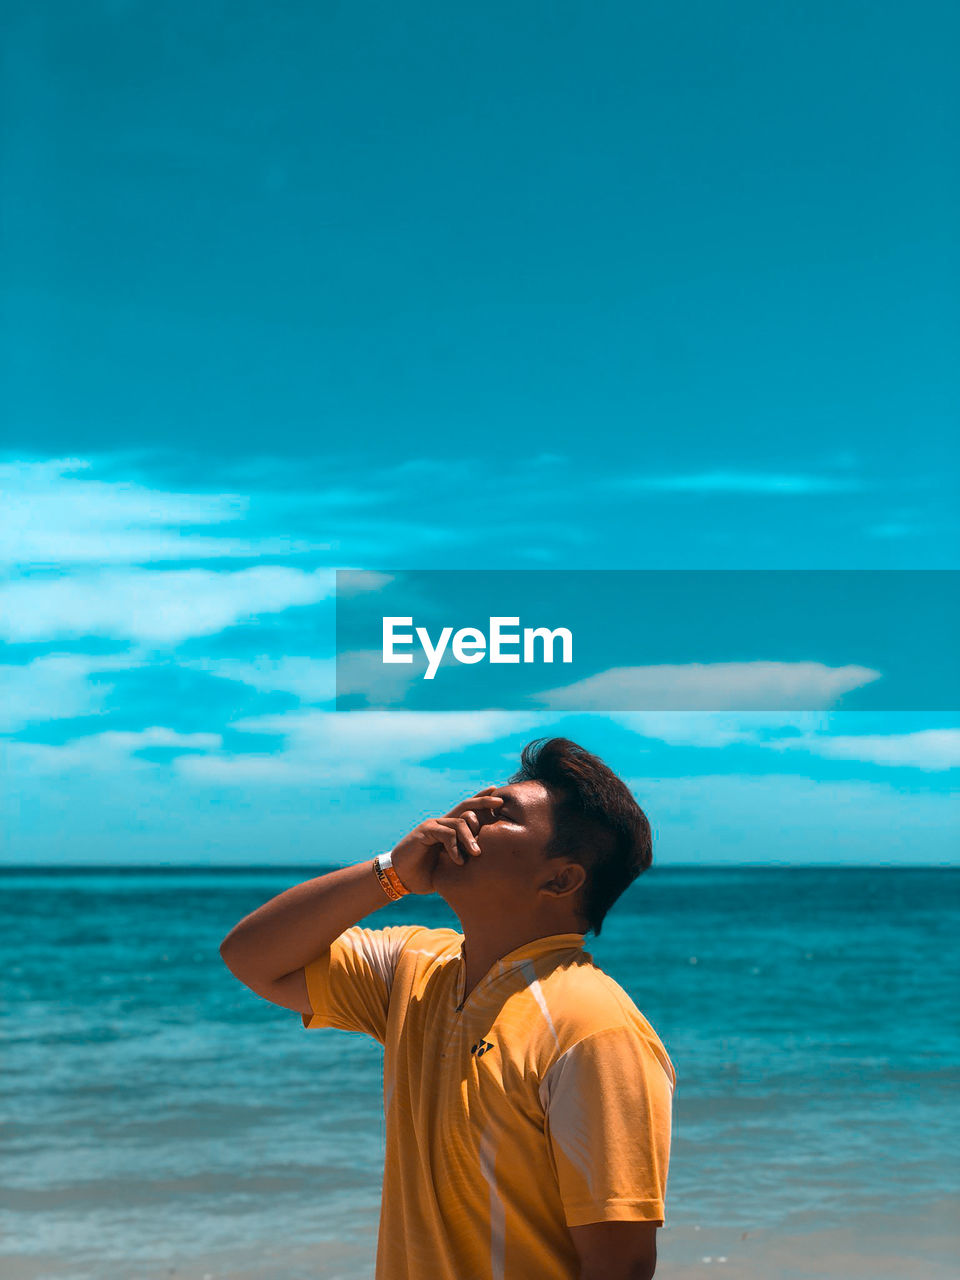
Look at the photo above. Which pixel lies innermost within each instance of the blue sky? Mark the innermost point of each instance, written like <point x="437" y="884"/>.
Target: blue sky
<point x="598" y="286"/>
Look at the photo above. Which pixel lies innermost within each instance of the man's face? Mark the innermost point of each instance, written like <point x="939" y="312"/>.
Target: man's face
<point x="513" y="844"/>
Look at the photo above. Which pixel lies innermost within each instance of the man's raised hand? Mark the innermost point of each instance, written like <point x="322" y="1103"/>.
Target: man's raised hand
<point x="453" y="836"/>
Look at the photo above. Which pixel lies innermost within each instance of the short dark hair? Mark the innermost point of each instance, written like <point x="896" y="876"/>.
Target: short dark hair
<point x="597" y="821"/>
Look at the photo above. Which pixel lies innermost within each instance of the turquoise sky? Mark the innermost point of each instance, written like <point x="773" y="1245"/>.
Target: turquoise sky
<point x="295" y="287"/>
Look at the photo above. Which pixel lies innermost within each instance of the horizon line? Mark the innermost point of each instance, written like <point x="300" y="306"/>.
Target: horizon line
<point x="318" y="868"/>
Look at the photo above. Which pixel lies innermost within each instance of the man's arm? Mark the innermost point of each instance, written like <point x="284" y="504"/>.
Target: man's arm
<point x="616" y="1250"/>
<point x="607" y="1108"/>
<point x="268" y="949"/>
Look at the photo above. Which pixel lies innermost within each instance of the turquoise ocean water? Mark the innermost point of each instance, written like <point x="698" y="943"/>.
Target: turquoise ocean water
<point x="154" y="1109"/>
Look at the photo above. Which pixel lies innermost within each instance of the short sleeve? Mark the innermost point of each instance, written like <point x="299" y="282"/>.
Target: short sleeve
<point x="608" y="1106"/>
<point x="349" y="985"/>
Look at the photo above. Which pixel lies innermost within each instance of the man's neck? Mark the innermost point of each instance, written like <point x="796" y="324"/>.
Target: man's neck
<point x="486" y="942"/>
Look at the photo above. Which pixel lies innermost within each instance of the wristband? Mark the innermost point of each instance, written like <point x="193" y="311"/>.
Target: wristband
<point x="390" y="882"/>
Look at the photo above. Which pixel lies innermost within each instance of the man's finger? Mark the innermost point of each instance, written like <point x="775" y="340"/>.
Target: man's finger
<point x="435" y="830"/>
<point x="461" y="831"/>
<point x="466" y="833"/>
<point x="472" y="821"/>
<point x="480" y="801"/>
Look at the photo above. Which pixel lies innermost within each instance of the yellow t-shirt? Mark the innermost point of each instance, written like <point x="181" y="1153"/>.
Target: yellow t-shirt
<point x="541" y="1101"/>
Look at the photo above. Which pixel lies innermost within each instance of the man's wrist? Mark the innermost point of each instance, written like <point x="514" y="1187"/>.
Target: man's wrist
<point x="386" y="873"/>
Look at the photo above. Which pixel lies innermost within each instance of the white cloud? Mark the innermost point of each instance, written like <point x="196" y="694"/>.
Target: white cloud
<point x="930" y="749"/>
<point x="53" y="513"/>
<point x="726" y="818"/>
<point x="355" y="582"/>
<point x="309" y="679"/>
<point x="894" y="530"/>
<point x="159" y="736"/>
<point x="369" y="748"/>
<point x="55" y="686"/>
<point x="760" y="482"/>
<point x="110" y="752"/>
<point x="363" y="671"/>
<point x="711" y="730"/>
<point x="711" y="685"/>
<point x="154" y="607"/>
<point x="316" y="680"/>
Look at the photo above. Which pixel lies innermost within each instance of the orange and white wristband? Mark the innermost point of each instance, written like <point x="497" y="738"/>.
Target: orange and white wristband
<point x="390" y="882"/>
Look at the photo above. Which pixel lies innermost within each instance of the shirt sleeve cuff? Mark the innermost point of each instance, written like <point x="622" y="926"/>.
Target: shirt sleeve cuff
<point x="617" y="1210"/>
<point x="317" y="975"/>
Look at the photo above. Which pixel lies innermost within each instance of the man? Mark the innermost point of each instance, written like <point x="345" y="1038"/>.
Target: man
<point x="527" y="1100"/>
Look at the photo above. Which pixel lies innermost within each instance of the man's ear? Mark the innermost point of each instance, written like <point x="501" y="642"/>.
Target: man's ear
<point x="567" y="879"/>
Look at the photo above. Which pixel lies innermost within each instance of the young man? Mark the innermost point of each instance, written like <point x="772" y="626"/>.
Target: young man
<point x="527" y="1099"/>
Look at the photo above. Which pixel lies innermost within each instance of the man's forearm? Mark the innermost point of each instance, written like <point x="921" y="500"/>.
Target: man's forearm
<point x="634" y="1271"/>
<point x="298" y="925"/>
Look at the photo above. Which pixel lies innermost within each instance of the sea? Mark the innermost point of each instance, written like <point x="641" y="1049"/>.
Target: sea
<point x="159" y="1119"/>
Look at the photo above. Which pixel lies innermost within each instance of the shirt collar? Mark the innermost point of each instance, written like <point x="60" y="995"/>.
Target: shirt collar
<point x="535" y="947"/>
<point x="531" y="950"/>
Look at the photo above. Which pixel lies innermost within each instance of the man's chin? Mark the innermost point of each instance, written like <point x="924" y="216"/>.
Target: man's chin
<point x="449" y="876"/>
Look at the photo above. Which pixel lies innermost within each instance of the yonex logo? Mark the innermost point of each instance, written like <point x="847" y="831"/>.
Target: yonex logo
<point x="481" y="1048"/>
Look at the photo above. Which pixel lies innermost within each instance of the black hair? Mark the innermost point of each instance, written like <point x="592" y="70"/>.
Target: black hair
<point x="597" y="821"/>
